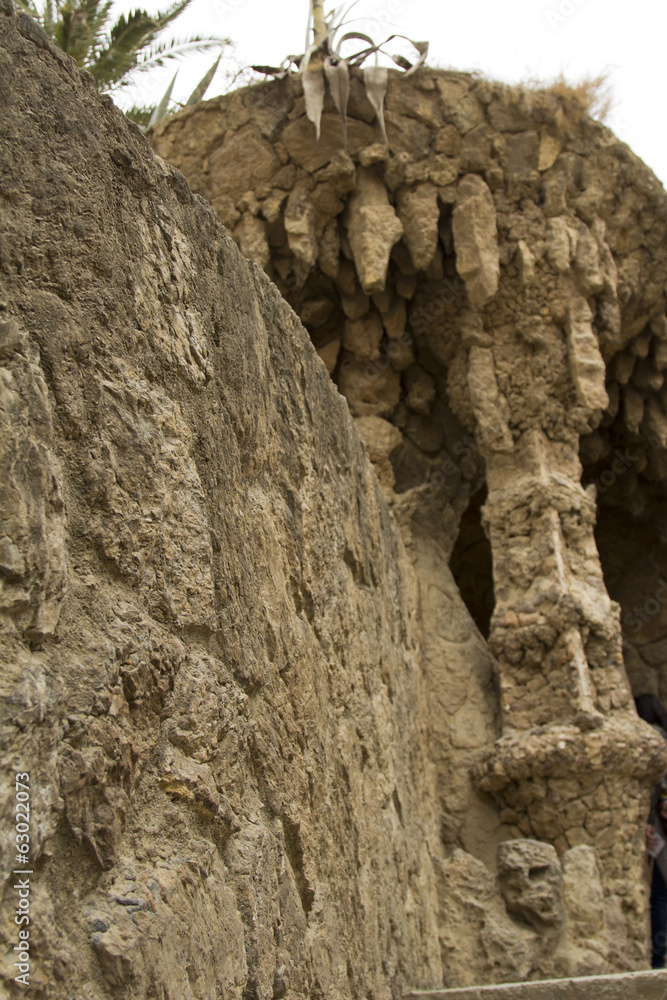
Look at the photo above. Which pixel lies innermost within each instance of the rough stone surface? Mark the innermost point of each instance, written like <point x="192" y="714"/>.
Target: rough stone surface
<point x="209" y="628"/>
<point x="373" y="228"/>
<point x="310" y="756"/>
<point x="475" y="239"/>
<point x="631" y="986"/>
<point x="418" y="212"/>
<point x="538" y="320"/>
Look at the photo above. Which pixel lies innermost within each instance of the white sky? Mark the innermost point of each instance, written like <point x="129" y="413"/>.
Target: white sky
<point x="509" y="40"/>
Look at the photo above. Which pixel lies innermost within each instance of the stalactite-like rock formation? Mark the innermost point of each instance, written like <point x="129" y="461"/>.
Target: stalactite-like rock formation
<point x="295" y="728"/>
<point x="488" y="292"/>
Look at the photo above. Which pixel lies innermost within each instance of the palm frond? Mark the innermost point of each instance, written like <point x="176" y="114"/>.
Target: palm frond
<point x="159" y="54"/>
<point x="50" y="12"/>
<point x="140" y="115"/>
<point x="124" y="42"/>
<point x="165" y="17"/>
<point x="29" y="8"/>
<point x="113" y="52"/>
<point x="161" y="109"/>
<point x="72" y="32"/>
<point x="127" y="43"/>
<point x="203" y="84"/>
<point x="99" y="15"/>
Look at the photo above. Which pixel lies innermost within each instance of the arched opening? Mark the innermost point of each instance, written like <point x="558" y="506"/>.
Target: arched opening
<point x="633" y="555"/>
<point x="472" y="565"/>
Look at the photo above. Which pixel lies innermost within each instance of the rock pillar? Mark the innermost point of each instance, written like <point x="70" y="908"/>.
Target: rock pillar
<point x="574" y="764"/>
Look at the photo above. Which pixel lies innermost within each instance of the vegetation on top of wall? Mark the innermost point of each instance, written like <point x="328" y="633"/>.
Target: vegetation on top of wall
<point x="592" y="95"/>
<point x="323" y="63"/>
<point x="115" y="51"/>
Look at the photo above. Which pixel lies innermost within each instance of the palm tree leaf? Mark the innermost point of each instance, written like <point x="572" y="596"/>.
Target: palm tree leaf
<point x="167" y="16"/>
<point x="140" y="115"/>
<point x="99" y="22"/>
<point x="120" y="55"/>
<point x="30" y="8"/>
<point x="73" y="32"/>
<point x="52" y="14"/>
<point x="160" y="53"/>
<point x="126" y="50"/>
<point x="161" y="110"/>
<point x="113" y="52"/>
<point x="203" y="84"/>
<point x="128" y="37"/>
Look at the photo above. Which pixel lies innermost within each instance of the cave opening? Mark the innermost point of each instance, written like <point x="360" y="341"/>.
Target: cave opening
<point x="625" y="459"/>
<point x="633" y="556"/>
<point x="471" y="564"/>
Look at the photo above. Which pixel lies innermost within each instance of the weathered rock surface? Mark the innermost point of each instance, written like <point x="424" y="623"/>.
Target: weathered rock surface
<point x="373" y="228"/>
<point x="630" y="986"/>
<point x="475" y="239"/>
<point x="209" y="630"/>
<point x="531" y="268"/>
<point x="274" y="740"/>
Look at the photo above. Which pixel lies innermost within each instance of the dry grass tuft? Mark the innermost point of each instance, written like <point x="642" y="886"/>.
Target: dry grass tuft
<point x="592" y="96"/>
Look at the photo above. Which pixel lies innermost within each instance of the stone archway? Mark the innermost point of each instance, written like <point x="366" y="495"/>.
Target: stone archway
<point x="488" y="294"/>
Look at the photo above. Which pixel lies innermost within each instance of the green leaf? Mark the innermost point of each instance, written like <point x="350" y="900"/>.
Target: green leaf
<point x="203" y="84"/>
<point x="140" y="115"/>
<point x="112" y="51"/>
<point x="129" y="36"/>
<point x="161" y="110"/>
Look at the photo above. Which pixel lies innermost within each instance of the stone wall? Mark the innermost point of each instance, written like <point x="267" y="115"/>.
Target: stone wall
<point x="628" y="986"/>
<point x="209" y="628"/>
<point x="487" y="290"/>
<point x="270" y="753"/>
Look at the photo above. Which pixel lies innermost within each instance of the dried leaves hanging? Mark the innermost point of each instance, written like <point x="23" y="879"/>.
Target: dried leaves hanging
<point x="337" y="73"/>
<point x="313" y="91"/>
<point x="376" y="79"/>
<point x="324" y="64"/>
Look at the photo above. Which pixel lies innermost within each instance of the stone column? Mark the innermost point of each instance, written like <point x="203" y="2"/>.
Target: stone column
<point x="555" y="632"/>
<point x="574" y="764"/>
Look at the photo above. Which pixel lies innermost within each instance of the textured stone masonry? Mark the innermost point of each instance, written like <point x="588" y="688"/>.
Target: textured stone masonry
<point x="507" y="254"/>
<point x="274" y="753"/>
<point x="631" y="986"/>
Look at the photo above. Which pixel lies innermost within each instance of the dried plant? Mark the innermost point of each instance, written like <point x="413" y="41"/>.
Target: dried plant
<point x="591" y="95"/>
<point x="322" y="64"/>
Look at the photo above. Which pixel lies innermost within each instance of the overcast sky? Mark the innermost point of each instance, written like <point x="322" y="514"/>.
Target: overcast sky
<point x="511" y="41"/>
